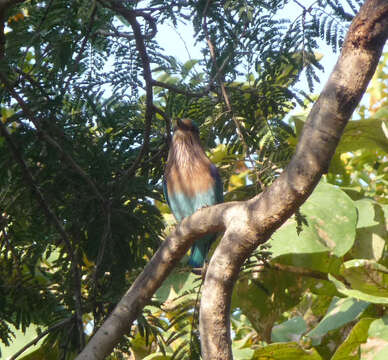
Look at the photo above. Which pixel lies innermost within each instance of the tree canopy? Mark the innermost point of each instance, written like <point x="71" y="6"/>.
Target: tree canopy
<point x="88" y="99"/>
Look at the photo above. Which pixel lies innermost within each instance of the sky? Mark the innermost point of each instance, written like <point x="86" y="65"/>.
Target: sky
<point x="180" y="43"/>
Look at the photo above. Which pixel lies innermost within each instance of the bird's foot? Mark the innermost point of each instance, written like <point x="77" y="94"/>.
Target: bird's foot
<point x="196" y="271"/>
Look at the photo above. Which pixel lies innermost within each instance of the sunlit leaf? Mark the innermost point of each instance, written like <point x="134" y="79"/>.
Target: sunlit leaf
<point x="340" y="312"/>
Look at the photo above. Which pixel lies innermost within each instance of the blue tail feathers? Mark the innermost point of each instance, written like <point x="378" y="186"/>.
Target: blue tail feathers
<point x="200" y="250"/>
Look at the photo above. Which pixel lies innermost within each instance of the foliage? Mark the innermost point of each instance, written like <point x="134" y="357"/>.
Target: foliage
<point x="80" y="169"/>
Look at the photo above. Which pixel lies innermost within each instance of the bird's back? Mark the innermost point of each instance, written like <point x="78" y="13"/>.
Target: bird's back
<point x="190" y="188"/>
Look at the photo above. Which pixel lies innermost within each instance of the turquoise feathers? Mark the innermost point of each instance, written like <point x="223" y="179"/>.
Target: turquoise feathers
<point x="191" y="182"/>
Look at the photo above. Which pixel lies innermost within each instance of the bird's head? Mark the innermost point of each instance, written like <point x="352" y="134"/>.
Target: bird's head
<point x="186" y="129"/>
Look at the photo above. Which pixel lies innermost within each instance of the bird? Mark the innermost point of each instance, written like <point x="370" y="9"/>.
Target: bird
<point x="190" y="182"/>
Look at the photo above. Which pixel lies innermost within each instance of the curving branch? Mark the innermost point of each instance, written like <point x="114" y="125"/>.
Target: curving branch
<point x="250" y="223"/>
<point x="262" y="215"/>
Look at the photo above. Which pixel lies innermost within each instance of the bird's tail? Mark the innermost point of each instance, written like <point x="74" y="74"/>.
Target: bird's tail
<point x="200" y="250"/>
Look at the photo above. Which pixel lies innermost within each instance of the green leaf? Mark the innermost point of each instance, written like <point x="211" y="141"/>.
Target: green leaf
<point x="366" y="213"/>
<point x="363" y="134"/>
<point x="350" y="347"/>
<point x="371" y="235"/>
<point x="176" y="283"/>
<point x="327" y="235"/>
<point x="366" y="276"/>
<point x="285" y="351"/>
<point x="340" y="312"/>
<point x="377" y="345"/>
<point x="379" y="328"/>
<point x="290" y="330"/>
<point x="382" y="355"/>
<point x="242" y="354"/>
<point x="357" y="294"/>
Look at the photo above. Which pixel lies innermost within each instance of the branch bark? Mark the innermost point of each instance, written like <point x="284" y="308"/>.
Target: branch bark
<point x="250" y="223"/>
<point x="262" y="215"/>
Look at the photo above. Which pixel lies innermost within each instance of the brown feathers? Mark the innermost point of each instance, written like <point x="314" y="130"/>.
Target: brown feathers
<point x="188" y="169"/>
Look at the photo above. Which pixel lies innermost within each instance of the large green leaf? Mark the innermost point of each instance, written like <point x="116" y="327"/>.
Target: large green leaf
<point x="340" y="312"/>
<point x="290" y="330"/>
<point x="328" y="234"/>
<point x="382" y="355"/>
<point x="371" y="230"/>
<point x="350" y="347"/>
<point x="366" y="213"/>
<point x="285" y="351"/>
<point x="361" y="134"/>
<point x="357" y="294"/>
<point x="379" y="328"/>
<point x="366" y="276"/>
<point x="241" y="353"/>
<point x="377" y="346"/>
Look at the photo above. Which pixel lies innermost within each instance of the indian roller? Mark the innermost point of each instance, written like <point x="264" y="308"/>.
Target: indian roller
<point x="191" y="181"/>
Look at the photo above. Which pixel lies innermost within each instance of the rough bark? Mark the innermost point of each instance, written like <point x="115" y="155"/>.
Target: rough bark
<point x="250" y="223"/>
<point x="262" y="215"/>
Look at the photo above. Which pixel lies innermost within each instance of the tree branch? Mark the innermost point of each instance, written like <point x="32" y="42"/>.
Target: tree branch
<point x="263" y="214"/>
<point x="250" y="223"/>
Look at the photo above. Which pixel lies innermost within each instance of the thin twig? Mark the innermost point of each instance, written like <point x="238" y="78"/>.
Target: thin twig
<point x="83" y="45"/>
<point x="179" y="90"/>
<point x="224" y="92"/>
<point x="104" y="240"/>
<point x="41" y="335"/>
<point x="130" y="16"/>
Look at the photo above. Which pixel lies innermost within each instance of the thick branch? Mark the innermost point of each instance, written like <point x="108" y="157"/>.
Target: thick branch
<point x="250" y="223"/>
<point x="266" y="212"/>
